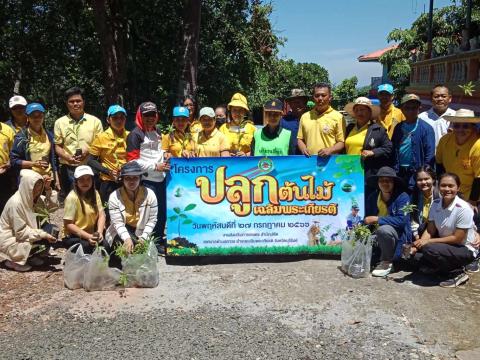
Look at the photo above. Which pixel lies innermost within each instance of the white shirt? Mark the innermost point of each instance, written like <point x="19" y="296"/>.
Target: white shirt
<point x="438" y="123"/>
<point x="459" y="215"/>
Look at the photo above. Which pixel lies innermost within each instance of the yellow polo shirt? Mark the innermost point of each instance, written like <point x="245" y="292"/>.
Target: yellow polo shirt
<point x="6" y="142"/>
<point x="211" y="146"/>
<point x="458" y="159"/>
<point x="355" y="140"/>
<point x="39" y="147"/>
<point x="176" y="142"/>
<point x="390" y="118"/>
<point x="239" y="137"/>
<point x="195" y="127"/>
<point x="427" y="203"/>
<point x="320" y="131"/>
<point x="111" y="150"/>
<point x="72" y="135"/>
<point x="382" y="206"/>
<point x="87" y="221"/>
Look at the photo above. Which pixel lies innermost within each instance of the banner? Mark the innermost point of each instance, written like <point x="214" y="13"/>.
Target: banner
<point x="262" y="205"/>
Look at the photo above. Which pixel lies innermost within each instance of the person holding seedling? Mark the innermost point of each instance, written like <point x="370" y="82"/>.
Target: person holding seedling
<point x="385" y="208"/>
<point x="210" y="142"/>
<point x="272" y="139"/>
<point x="34" y="147"/>
<point x="84" y="217"/>
<point x="20" y="232"/>
<point x="108" y="152"/>
<point x="133" y="210"/>
<point x="179" y="142"/>
<point x="239" y="129"/>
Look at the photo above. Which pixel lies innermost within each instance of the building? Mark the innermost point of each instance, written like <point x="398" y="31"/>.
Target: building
<point x="377" y="80"/>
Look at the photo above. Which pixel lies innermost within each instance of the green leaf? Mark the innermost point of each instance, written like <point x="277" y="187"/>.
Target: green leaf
<point x="190" y="207"/>
<point x="173" y="218"/>
<point x="183" y="216"/>
<point x="188" y="221"/>
<point x="177" y="210"/>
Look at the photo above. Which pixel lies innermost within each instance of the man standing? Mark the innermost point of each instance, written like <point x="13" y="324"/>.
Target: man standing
<point x="296" y="107"/>
<point x="389" y="116"/>
<point x="17" y="105"/>
<point x="74" y="133"/>
<point x="321" y="129"/>
<point x="435" y="117"/>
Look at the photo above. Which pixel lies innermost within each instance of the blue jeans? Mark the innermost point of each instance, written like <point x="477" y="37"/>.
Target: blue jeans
<point x="160" y="190"/>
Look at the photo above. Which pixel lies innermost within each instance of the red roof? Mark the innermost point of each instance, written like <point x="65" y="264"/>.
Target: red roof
<point x="374" y="56"/>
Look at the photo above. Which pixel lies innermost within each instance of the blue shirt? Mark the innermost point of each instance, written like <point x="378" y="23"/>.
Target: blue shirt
<point x="291" y="123"/>
<point x="405" y="155"/>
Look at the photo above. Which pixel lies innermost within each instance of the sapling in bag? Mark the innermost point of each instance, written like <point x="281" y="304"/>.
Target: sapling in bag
<point x="357" y="252"/>
<point x="75" y="264"/>
<point x="98" y="276"/>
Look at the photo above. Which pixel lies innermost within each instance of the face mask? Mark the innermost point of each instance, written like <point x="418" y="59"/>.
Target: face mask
<point x="221" y="120"/>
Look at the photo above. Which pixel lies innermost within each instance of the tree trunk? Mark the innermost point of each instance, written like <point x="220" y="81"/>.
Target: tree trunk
<point x="191" y="38"/>
<point x="112" y="31"/>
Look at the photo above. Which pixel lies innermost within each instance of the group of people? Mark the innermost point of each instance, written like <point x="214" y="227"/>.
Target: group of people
<point x="402" y="151"/>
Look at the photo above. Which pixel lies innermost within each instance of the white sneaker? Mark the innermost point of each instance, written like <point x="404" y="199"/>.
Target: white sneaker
<point x="17" y="267"/>
<point x="382" y="269"/>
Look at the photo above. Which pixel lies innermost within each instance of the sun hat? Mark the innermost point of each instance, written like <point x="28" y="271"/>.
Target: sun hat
<point x="385" y="87"/>
<point x="365" y="102"/>
<point x="17" y="100"/>
<point x="34" y="107"/>
<point x="238" y="100"/>
<point x="297" y="93"/>
<point x="463" y="116"/>
<point x="148" y="107"/>
<point x="82" y="170"/>
<point x="181" y="111"/>
<point x="273" y="105"/>
<point x="410" y="97"/>
<point x="207" y="111"/>
<point x="385" y="171"/>
<point x="131" y="168"/>
<point x="113" y="109"/>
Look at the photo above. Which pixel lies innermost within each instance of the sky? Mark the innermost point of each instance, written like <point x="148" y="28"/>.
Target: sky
<point x="334" y="33"/>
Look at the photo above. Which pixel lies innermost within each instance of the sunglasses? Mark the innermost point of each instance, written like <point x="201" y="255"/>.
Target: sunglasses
<point x="461" y="126"/>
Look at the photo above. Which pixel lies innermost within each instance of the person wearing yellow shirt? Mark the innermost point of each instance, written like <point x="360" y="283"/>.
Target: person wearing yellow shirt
<point x="74" y="133"/>
<point x="108" y="152"/>
<point x="17" y="105"/>
<point x="34" y="147"/>
<point x="321" y="130"/>
<point x="458" y="152"/>
<point x="210" y="142"/>
<point x="179" y="142"/>
<point x="7" y="177"/>
<point x="193" y="123"/>
<point x="84" y="217"/>
<point x="366" y="138"/>
<point x="389" y="116"/>
<point x="238" y="129"/>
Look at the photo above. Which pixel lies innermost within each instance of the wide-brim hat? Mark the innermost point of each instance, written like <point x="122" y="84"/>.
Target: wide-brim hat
<point x="238" y="100"/>
<point x="131" y="168"/>
<point x="297" y="93"/>
<point x="365" y="102"/>
<point x="385" y="171"/>
<point x="463" y="116"/>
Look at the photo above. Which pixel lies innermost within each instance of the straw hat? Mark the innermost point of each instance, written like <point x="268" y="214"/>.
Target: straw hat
<point x="362" y="101"/>
<point x="238" y="100"/>
<point x="463" y="116"/>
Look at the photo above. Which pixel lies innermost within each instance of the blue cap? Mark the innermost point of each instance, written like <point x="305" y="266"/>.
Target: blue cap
<point x="180" y="111"/>
<point x="113" y="109"/>
<point x="34" y="107"/>
<point x="385" y="87"/>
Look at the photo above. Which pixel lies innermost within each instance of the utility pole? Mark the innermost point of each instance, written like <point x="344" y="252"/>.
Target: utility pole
<point x="430" y="31"/>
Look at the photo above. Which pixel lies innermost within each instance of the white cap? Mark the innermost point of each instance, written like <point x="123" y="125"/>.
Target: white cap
<point x="82" y="170"/>
<point x="208" y="111"/>
<point x="17" y="100"/>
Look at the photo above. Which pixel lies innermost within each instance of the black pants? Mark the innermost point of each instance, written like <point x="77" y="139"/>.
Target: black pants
<point x="106" y="188"/>
<point x="160" y="190"/>
<point x="66" y="180"/>
<point x="445" y="257"/>
<point x="8" y="184"/>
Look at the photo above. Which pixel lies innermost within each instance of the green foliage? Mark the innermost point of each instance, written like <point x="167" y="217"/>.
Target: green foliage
<point x="468" y="88"/>
<point x="409" y="208"/>
<point x="345" y="92"/>
<point x="181" y="217"/>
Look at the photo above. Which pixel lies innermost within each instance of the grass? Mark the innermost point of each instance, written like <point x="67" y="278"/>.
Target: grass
<point x="257" y="250"/>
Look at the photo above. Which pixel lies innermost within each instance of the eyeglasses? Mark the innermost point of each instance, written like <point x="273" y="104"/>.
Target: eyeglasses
<point x="461" y="126"/>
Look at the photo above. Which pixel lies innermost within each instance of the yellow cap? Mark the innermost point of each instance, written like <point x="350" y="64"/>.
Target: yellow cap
<point x="238" y="100"/>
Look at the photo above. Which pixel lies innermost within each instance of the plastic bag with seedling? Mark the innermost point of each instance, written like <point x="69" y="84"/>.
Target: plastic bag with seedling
<point x="75" y="265"/>
<point x="357" y="252"/>
<point x="98" y="276"/>
<point x="139" y="269"/>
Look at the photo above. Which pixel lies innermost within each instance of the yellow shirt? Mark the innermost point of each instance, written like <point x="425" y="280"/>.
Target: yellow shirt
<point x="457" y="159"/>
<point x="39" y="147"/>
<point x="176" y="142"/>
<point x="72" y="135"/>
<point x="6" y="142"/>
<point x="195" y="127"/>
<point x="427" y="203"/>
<point x="132" y="214"/>
<point x="239" y="137"/>
<point x="390" y="118"/>
<point x="111" y="150"/>
<point x="321" y="131"/>
<point x="382" y="206"/>
<point x="355" y="140"/>
<point x="210" y="146"/>
<point x="87" y="221"/>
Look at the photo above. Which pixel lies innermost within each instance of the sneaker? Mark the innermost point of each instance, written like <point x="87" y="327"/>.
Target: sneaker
<point x="17" y="267"/>
<point x="455" y="281"/>
<point x="36" y="261"/>
<point x="382" y="269"/>
<point x="472" y="267"/>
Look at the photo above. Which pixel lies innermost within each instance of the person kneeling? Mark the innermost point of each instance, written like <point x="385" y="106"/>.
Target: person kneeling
<point x="386" y="208"/>
<point x="133" y="210"/>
